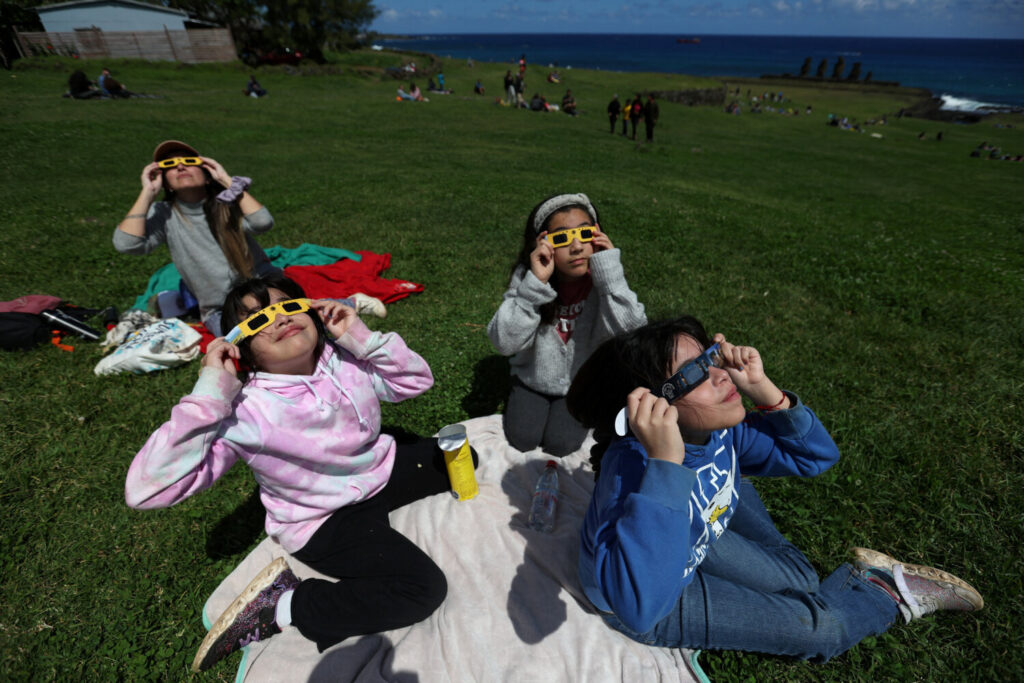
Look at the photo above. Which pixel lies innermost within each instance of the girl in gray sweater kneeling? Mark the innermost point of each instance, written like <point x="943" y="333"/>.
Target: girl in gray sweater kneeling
<point x="567" y="294"/>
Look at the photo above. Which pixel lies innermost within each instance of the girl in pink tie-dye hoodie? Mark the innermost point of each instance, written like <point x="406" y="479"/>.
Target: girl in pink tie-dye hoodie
<point x="307" y="422"/>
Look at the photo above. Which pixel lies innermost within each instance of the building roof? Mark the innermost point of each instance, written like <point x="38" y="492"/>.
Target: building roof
<point x="132" y="3"/>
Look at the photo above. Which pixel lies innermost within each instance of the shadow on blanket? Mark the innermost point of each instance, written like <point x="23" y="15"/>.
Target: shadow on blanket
<point x="378" y="653"/>
<point x="534" y="584"/>
<point x="514" y="611"/>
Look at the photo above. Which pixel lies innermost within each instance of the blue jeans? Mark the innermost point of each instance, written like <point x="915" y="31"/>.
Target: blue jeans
<point x="756" y="591"/>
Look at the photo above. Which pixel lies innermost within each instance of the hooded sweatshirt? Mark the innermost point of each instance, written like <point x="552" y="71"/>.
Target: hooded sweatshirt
<point x="540" y="358"/>
<point x="313" y="442"/>
<point x="651" y="522"/>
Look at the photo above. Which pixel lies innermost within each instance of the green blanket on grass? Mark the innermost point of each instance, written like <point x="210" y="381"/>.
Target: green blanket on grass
<point x="168" y="278"/>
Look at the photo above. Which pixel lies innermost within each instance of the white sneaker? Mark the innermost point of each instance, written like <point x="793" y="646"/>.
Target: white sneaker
<point x="923" y="590"/>
<point x="368" y="305"/>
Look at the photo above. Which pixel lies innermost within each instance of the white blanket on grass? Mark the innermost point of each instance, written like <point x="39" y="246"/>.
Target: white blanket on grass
<point x="514" y="612"/>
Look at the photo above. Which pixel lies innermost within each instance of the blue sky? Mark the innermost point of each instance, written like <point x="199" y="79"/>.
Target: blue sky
<point x="917" y="18"/>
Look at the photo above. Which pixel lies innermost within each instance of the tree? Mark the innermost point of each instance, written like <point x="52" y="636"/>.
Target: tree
<point x="822" y="67"/>
<point x="308" y="26"/>
<point x="15" y="17"/>
<point x="241" y="17"/>
<point x="314" y="25"/>
<point x="837" y="72"/>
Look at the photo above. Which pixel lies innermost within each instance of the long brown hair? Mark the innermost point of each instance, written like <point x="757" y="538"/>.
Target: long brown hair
<point x="225" y="221"/>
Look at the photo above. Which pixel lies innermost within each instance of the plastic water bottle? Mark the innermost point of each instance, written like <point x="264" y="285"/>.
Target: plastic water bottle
<point x="545" y="498"/>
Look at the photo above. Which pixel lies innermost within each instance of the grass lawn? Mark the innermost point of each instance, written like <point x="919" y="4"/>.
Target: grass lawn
<point x="881" y="278"/>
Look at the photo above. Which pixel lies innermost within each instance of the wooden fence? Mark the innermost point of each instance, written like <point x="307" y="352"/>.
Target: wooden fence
<point x="196" y="45"/>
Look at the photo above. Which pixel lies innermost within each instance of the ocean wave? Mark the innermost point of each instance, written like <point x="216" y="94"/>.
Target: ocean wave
<point x="955" y="103"/>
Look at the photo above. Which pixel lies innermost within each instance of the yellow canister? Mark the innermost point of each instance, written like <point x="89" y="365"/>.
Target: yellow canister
<point x="459" y="461"/>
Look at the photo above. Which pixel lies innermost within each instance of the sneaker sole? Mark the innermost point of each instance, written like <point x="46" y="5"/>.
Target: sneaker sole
<point x="886" y="562"/>
<point x="368" y="305"/>
<point x="263" y="579"/>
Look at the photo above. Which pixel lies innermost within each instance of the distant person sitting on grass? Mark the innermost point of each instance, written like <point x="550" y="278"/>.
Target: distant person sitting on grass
<point x="111" y="87"/>
<point x="80" y="87"/>
<point x="569" y="103"/>
<point x="413" y="94"/>
<point x="478" y="87"/>
<point x="254" y="89"/>
<point x="677" y="549"/>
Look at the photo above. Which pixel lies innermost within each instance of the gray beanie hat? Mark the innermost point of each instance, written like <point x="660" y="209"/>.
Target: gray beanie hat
<point x="559" y="202"/>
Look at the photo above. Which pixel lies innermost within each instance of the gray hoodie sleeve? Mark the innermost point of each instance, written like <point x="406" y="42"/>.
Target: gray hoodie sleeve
<point x="620" y="310"/>
<point x="258" y="221"/>
<point x="514" y="326"/>
<point x="156" y="232"/>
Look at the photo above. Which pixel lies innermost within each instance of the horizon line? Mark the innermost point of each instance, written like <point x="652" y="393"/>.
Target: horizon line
<point x="404" y="34"/>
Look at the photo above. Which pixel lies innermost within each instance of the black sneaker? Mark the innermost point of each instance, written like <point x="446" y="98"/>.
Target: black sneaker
<point x="250" y="618"/>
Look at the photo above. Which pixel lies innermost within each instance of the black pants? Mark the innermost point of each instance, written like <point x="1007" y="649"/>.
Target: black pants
<point x="650" y="130"/>
<point x="625" y="123"/>
<point x="384" y="580"/>
<point x="611" y="119"/>
<point x="533" y="419"/>
<point x="634" y="122"/>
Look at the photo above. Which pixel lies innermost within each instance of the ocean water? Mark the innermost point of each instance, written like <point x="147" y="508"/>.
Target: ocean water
<point x="968" y="74"/>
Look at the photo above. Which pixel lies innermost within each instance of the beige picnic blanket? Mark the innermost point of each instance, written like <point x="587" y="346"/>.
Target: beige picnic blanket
<point x="514" y="611"/>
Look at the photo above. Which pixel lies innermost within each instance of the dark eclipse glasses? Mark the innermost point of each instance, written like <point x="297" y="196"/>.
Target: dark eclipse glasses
<point x="692" y="374"/>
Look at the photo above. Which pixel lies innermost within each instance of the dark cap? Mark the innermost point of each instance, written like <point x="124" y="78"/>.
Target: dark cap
<point x="163" y="150"/>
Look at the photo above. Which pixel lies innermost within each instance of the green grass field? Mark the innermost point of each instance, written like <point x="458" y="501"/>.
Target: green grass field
<point x="881" y="278"/>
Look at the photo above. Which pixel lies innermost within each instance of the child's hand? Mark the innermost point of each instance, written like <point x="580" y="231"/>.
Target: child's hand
<point x="656" y="424"/>
<point x="337" y="316"/>
<point x="601" y="241"/>
<point x="745" y="368"/>
<point x="542" y="259"/>
<point x="221" y="354"/>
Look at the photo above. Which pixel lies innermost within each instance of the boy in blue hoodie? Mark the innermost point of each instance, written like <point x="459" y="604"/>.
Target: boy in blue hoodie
<point x="677" y="549"/>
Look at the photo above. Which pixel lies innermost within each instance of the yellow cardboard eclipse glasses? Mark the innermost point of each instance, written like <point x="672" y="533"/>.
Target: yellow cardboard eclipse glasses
<point x="264" y="317"/>
<point x="184" y="161"/>
<point x="564" y="238"/>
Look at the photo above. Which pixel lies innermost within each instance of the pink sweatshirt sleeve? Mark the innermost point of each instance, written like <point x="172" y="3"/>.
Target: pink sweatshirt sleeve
<point x="397" y="372"/>
<point x="185" y="455"/>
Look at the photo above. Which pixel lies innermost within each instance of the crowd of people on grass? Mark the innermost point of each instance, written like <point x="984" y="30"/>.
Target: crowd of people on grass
<point x="632" y="112"/>
<point x="676" y="548"/>
<point x="993" y="153"/>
